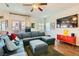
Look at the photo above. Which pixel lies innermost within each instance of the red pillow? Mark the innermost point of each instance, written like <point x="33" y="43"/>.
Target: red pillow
<point x="13" y="36"/>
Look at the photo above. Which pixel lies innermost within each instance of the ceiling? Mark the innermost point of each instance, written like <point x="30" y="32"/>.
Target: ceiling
<point x="50" y="9"/>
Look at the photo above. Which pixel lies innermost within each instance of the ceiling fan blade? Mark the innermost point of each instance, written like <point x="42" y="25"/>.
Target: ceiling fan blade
<point x="7" y="5"/>
<point x="31" y="9"/>
<point x="42" y="3"/>
<point x="27" y="4"/>
<point x="40" y="9"/>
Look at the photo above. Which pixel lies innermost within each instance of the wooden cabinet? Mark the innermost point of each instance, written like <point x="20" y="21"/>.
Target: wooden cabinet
<point x="67" y="39"/>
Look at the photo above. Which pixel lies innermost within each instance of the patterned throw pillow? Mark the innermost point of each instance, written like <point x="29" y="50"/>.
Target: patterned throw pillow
<point x="13" y="36"/>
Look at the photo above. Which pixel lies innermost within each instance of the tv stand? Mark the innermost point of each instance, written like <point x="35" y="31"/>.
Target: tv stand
<point x="67" y="39"/>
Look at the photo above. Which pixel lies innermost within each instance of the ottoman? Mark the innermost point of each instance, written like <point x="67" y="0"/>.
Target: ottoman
<point x="38" y="47"/>
<point x="48" y="39"/>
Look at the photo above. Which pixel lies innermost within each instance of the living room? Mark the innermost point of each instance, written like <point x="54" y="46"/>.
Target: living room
<point x="42" y="29"/>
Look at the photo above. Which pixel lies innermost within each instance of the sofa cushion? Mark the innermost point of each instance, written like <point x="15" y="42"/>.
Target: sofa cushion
<point x="49" y="40"/>
<point x="26" y="34"/>
<point x="19" y="36"/>
<point x="34" y="34"/>
<point x="30" y="34"/>
<point x="41" y="34"/>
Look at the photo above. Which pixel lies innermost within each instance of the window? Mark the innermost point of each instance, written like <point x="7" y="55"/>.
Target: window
<point x="3" y="25"/>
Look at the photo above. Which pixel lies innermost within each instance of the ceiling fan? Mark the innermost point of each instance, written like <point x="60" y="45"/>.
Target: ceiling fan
<point x="36" y="6"/>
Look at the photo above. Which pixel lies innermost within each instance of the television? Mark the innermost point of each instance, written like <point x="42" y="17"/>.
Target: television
<point x="68" y="22"/>
<point x="27" y="29"/>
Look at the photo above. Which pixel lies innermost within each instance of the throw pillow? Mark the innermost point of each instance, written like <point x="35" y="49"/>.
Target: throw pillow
<point x="9" y="44"/>
<point x="13" y="36"/>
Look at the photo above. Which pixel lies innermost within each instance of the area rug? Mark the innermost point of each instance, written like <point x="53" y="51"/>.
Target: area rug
<point x="51" y="52"/>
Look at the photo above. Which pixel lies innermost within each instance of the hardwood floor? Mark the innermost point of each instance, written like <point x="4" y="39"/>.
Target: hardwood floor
<point x="67" y="49"/>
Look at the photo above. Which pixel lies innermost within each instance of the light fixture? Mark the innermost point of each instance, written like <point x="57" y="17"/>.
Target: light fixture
<point x="74" y="18"/>
<point x="35" y="6"/>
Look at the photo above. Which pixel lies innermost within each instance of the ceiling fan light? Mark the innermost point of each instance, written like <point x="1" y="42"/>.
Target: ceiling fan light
<point x="35" y="6"/>
<point x="74" y="18"/>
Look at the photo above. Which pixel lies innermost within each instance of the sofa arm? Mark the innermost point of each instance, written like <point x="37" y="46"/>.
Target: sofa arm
<point x="1" y="51"/>
<point x="26" y="41"/>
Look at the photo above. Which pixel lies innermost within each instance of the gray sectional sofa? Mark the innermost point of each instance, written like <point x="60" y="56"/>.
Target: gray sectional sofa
<point x="28" y="36"/>
<point x="23" y="35"/>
